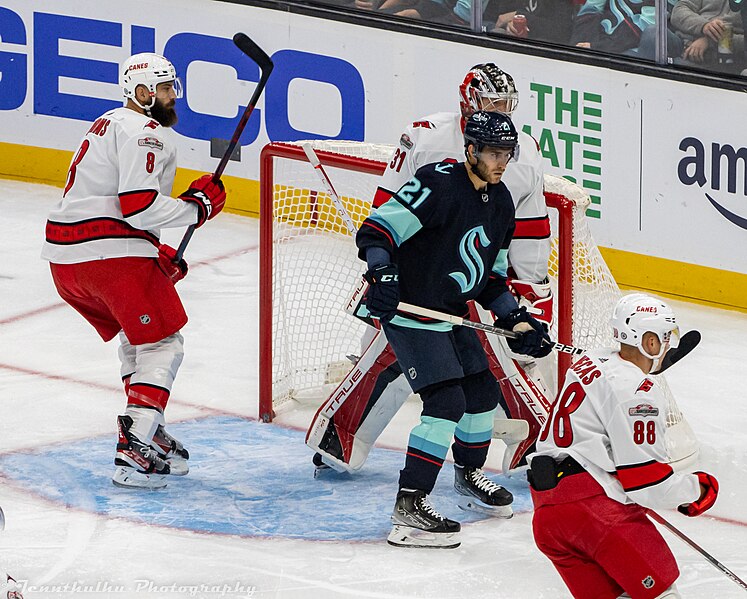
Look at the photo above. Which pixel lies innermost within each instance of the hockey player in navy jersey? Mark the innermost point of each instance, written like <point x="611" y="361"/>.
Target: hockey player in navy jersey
<point x="442" y="240"/>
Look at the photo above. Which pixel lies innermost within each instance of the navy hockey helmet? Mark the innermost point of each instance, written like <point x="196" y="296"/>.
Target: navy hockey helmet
<point x="490" y="129"/>
<point x="486" y="87"/>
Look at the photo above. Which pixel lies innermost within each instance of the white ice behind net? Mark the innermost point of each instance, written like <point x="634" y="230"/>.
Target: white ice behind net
<point x="315" y="267"/>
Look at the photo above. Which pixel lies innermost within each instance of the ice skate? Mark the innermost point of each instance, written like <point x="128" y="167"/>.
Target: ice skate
<point x="137" y="463"/>
<point x="481" y="494"/>
<point x="417" y="524"/>
<point x="171" y="451"/>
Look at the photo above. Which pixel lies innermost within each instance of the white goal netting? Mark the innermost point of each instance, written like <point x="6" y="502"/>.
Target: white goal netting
<point x="314" y="268"/>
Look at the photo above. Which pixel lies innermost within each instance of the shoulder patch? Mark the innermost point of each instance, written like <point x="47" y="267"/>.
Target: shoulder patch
<point x="151" y="125"/>
<point x="643" y="409"/>
<point x="645" y="386"/>
<point x="405" y="141"/>
<point x="423" y="124"/>
<point x="150" y="142"/>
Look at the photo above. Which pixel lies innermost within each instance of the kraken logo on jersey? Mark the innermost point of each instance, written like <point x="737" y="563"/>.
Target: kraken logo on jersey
<point x="471" y="258"/>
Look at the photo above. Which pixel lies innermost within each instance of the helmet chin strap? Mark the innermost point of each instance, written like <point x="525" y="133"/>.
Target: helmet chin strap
<point x="145" y="108"/>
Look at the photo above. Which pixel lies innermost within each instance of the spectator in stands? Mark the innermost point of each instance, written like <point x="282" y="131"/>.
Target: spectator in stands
<point x="546" y="20"/>
<point x="739" y="7"/>
<point x="621" y="27"/>
<point x="701" y="24"/>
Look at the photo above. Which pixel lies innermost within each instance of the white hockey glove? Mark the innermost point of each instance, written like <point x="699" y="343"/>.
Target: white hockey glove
<point x="537" y="297"/>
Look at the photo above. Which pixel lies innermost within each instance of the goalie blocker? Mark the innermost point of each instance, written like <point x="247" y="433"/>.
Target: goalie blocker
<point x="347" y="425"/>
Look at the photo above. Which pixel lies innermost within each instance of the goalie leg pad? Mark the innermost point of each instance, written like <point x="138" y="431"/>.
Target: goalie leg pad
<point x="347" y="425"/>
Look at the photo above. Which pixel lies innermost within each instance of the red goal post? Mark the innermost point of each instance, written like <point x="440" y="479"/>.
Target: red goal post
<point x="309" y="266"/>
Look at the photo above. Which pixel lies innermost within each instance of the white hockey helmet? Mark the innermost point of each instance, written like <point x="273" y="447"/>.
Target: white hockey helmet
<point x="147" y="69"/>
<point x="484" y="86"/>
<point x="638" y="313"/>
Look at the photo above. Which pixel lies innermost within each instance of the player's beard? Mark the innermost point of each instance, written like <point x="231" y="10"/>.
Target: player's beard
<point x="482" y="171"/>
<point x="166" y="116"/>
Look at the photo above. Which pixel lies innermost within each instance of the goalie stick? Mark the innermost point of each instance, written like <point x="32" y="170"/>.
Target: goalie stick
<point x="683" y="537"/>
<point x="329" y="188"/>
<point x="265" y="64"/>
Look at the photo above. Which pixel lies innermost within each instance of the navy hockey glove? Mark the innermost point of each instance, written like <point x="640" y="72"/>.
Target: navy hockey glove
<point x="708" y="494"/>
<point x="383" y="294"/>
<point x="533" y="339"/>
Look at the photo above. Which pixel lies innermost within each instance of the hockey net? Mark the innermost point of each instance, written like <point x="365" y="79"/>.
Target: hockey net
<point x="309" y="266"/>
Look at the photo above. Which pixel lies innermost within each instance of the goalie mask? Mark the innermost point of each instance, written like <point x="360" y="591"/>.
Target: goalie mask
<point x="639" y="313"/>
<point x="147" y="69"/>
<point x="488" y="88"/>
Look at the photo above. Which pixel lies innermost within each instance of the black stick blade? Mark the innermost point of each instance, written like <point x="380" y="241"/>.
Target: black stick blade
<point x="258" y="55"/>
<point x="687" y="344"/>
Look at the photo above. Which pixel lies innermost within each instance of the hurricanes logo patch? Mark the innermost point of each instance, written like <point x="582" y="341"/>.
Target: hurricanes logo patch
<point x="643" y="409"/>
<point x="645" y="386"/>
<point x="145" y="319"/>
<point x="468" y="246"/>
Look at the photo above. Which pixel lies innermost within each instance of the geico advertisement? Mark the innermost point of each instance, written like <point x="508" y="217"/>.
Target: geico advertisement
<point x="662" y="161"/>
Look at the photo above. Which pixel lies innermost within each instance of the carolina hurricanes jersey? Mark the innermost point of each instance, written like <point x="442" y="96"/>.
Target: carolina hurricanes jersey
<point x="438" y="137"/>
<point x="611" y="418"/>
<point x="116" y="198"/>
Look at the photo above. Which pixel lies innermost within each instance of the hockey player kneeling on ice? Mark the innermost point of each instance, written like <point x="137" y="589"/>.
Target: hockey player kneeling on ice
<point x="440" y="241"/>
<point x="102" y="242"/>
<point x="601" y="461"/>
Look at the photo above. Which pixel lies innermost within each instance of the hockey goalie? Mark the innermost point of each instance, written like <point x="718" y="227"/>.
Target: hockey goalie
<point x="348" y="423"/>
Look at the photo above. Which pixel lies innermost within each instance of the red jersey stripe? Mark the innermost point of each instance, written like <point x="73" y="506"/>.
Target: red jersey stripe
<point x="93" y="229"/>
<point x="381" y="197"/>
<point x="532" y="228"/>
<point x="134" y="202"/>
<point x="640" y="476"/>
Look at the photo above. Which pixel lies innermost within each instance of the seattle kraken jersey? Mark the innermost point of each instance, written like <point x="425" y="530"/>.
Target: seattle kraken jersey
<point x="449" y="240"/>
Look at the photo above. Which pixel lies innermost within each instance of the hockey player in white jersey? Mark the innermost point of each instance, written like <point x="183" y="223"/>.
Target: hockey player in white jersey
<point x="102" y="242"/>
<point x="601" y="460"/>
<point x="342" y="433"/>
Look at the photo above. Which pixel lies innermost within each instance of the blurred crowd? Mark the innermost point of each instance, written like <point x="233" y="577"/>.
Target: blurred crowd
<point x="706" y="34"/>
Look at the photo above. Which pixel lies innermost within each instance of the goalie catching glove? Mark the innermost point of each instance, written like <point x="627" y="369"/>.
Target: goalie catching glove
<point x="383" y="294"/>
<point x="533" y="339"/>
<point x="708" y="494"/>
<point x="208" y="196"/>
<point x="174" y="269"/>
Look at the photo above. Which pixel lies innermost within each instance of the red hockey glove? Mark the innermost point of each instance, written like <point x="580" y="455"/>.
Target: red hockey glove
<point x="209" y="197"/>
<point x="708" y="494"/>
<point x="174" y="269"/>
<point x="539" y="297"/>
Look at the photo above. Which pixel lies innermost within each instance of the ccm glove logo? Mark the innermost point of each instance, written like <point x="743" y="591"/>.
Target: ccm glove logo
<point x="389" y="278"/>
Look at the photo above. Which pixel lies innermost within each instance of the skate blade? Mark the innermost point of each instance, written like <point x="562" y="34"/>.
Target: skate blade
<point x="470" y="504"/>
<point x="129" y="478"/>
<point x="178" y="465"/>
<point x="406" y="536"/>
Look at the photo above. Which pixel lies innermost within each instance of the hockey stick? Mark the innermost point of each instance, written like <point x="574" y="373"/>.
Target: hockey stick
<point x="442" y="316"/>
<point x="329" y="188"/>
<point x="265" y="64"/>
<point x="687" y="344"/>
<point x="683" y="537"/>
